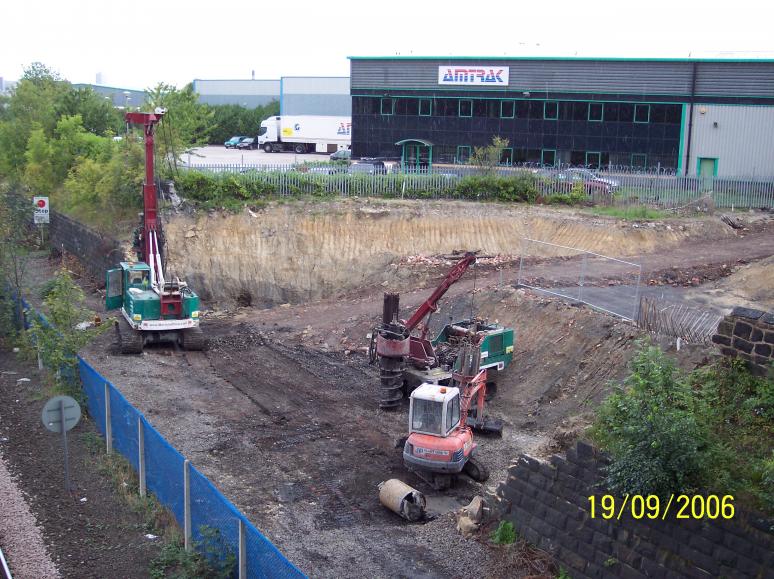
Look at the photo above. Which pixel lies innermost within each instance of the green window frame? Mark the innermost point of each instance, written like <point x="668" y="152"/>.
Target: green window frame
<point x="601" y="113"/>
<point x="641" y="160"/>
<point x="506" y="156"/>
<point x="590" y="157"/>
<point x="637" y="109"/>
<point x="545" y="111"/>
<point x="391" y="105"/>
<point x="512" y="103"/>
<point x="425" y="107"/>
<point x="552" y="156"/>
<point x="469" y="103"/>
<point x="463" y="151"/>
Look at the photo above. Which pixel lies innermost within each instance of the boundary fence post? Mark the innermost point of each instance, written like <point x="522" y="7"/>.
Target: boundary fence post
<point x="141" y="456"/>
<point x="242" y="550"/>
<point x="187" y="504"/>
<point x="108" y="425"/>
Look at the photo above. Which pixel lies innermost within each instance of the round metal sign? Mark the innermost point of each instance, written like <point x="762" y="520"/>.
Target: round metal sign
<point x="53" y="413"/>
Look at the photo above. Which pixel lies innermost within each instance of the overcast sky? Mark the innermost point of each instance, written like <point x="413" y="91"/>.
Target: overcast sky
<point x="137" y="43"/>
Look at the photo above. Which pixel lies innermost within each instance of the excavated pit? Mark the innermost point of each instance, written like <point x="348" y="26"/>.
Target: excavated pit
<point x="301" y="252"/>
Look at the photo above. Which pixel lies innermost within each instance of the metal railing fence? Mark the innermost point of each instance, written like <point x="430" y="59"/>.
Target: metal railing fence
<point x="654" y="189"/>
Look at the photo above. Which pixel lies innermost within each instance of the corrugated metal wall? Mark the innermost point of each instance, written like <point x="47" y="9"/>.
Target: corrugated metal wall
<point x="248" y="93"/>
<point x="237" y="87"/>
<point x="742" y="141"/>
<point x="317" y="104"/>
<point x="584" y="76"/>
<point x="315" y="95"/>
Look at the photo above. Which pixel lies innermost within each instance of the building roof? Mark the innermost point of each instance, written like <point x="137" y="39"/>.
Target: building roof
<point x="568" y="58"/>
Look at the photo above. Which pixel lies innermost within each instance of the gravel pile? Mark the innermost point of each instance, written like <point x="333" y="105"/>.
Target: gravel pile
<point x="20" y="536"/>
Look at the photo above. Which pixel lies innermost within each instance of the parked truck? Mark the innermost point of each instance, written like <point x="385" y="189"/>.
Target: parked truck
<point x="305" y="134"/>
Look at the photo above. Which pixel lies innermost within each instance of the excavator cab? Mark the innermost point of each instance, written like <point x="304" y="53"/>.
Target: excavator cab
<point x="434" y="410"/>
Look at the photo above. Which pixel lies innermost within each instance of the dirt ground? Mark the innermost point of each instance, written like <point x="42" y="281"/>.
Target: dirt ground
<point x="88" y="531"/>
<point x="281" y="413"/>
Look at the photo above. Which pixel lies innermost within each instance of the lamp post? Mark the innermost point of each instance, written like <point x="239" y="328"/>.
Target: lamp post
<point x="127" y="98"/>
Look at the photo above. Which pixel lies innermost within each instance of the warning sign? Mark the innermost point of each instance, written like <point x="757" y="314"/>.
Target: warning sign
<point x="41" y="209"/>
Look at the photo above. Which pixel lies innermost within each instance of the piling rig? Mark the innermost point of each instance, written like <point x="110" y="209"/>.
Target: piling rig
<point x="153" y="309"/>
<point x="407" y="358"/>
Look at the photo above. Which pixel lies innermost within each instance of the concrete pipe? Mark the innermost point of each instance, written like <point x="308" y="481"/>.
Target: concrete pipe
<point x="402" y="499"/>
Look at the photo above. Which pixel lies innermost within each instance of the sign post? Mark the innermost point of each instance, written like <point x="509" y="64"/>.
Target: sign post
<point x="60" y="414"/>
<point x="41" y="214"/>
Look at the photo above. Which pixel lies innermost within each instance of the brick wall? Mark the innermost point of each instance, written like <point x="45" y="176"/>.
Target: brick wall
<point x="96" y="251"/>
<point x="748" y="334"/>
<point x="548" y="504"/>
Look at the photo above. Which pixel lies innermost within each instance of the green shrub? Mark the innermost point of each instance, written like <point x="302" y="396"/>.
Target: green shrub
<point x="650" y="429"/>
<point x="520" y="187"/>
<point x="504" y="534"/>
<point x="709" y="431"/>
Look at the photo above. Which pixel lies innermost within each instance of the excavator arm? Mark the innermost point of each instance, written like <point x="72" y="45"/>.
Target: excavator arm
<point x="431" y="304"/>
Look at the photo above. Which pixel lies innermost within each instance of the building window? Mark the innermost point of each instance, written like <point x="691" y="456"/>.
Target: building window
<point x="551" y="110"/>
<point x="463" y="154"/>
<point x="548" y="157"/>
<point x="593" y="159"/>
<point x="466" y="108"/>
<point x="425" y="107"/>
<point x="507" y="109"/>
<point x="388" y="106"/>
<point x="596" y="112"/>
<point x="641" y="113"/>
<point x="506" y="156"/>
<point x="639" y="160"/>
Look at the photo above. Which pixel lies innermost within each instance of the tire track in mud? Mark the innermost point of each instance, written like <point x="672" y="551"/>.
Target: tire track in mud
<point x="340" y="498"/>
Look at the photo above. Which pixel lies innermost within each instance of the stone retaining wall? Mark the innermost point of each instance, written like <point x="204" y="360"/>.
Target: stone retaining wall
<point x="748" y="334"/>
<point x="548" y="503"/>
<point x="96" y="251"/>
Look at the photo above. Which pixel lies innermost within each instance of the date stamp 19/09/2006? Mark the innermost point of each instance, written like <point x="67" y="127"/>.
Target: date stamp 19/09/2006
<point x="654" y="507"/>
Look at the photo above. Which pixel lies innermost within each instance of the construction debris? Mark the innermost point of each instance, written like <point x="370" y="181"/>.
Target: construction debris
<point x="469" y="518"/>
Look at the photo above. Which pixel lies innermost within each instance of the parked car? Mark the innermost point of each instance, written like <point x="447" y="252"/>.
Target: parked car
<point x="247" y="143"/>
<point x="589" y="178"/>
<point x="368" y="168"/>
<point x="341" y="155"/>
<point x="233" y="142"/>
<point x="564" y="179"/>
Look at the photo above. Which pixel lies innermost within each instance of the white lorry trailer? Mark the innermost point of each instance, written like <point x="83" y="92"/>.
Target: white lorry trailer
<point x="305" y="134"/>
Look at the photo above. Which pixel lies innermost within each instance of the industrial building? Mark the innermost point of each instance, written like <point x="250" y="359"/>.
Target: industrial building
<point x="248" y="93"/>
<point x="120" y="97"/>
<point x="691" y="116"/>
<point x="297" y="95"/>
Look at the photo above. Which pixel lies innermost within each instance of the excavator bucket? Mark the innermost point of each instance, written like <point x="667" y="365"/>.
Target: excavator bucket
<point x="486" y="425"/>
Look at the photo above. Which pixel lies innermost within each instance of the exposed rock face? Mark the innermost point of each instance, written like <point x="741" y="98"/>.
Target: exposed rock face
<point x="297" y="252"/>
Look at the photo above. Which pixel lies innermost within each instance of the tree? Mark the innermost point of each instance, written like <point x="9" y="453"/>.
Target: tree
<point x="186" y="124"/>
<point x="488" y="158"/>
<point x="14" y="234"/>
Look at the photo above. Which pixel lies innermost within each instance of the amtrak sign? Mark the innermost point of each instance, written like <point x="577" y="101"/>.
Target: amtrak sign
<point x="474" y="75"/>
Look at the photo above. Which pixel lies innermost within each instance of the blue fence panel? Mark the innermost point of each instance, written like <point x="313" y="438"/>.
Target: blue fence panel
<point x="94" y="386"/>
<point x="123" y="419"/>
<point x="211" y="509"/>
<point x="164" y="471"/>
<point x="164" y="477"/>
<point x="263" y="558"/>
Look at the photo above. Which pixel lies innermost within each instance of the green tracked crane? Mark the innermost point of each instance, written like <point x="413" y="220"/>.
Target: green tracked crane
<point x="153" y="309"/>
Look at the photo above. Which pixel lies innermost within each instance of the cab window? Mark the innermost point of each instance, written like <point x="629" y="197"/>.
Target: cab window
<point x="452" y="413"/>
<point x="426" y="416"/>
